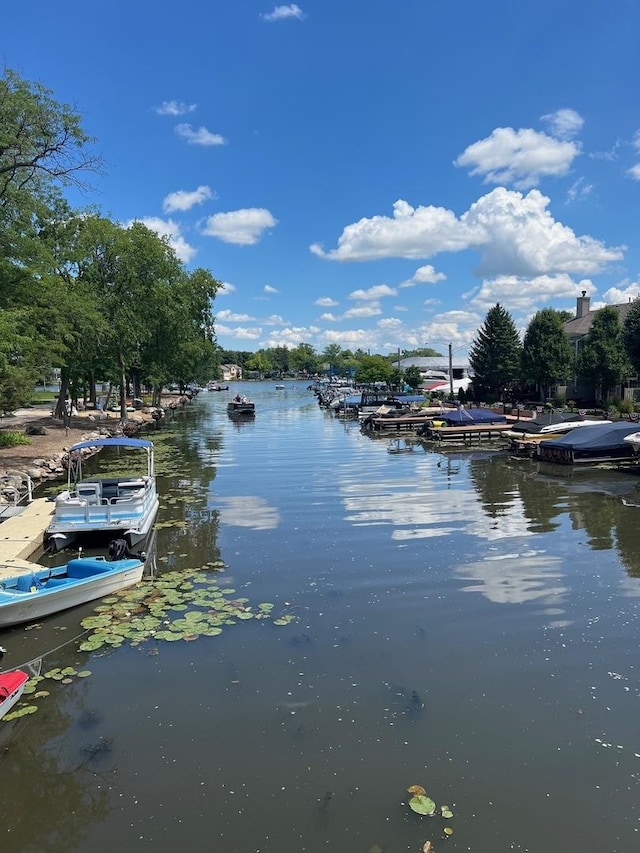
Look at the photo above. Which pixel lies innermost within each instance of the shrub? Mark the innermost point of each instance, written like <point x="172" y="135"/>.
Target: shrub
<point x="9" y="438"/>
<point x="625" y="407"/>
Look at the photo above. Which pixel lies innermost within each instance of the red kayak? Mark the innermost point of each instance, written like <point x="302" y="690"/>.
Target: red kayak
<point x="11" y="687"/>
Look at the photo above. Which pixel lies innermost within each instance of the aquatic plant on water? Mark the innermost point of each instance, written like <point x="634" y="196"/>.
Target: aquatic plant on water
<point x="64" y="675"/>
<point x="422" y="804"/>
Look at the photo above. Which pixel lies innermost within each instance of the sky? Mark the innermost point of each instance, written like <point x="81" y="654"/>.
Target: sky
<point x="370" y="174"/>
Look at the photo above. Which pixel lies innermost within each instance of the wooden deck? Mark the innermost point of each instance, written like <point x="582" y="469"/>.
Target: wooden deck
<point x="466" y="434"/>
<point x="21" y="536"/>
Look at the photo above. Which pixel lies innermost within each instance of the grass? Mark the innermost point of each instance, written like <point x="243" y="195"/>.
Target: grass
<point x="10" y="438"/>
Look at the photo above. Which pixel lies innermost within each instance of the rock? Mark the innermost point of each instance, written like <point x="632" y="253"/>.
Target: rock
<point x="35" y="473"/>
<point x="35" y="429"/>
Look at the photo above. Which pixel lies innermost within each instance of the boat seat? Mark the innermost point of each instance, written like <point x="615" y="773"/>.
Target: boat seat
<point x="25" y="583"/>
<point x="90" y="492"/>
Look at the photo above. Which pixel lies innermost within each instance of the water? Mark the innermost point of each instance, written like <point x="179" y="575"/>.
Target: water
<point x="463" y="621"/>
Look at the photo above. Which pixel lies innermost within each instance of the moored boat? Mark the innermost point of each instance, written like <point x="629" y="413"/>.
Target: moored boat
<point x="123" y="506"/>
<point x="30" y="596"/>
<point x="11" y="686"/>
<point x="590" y="444"/>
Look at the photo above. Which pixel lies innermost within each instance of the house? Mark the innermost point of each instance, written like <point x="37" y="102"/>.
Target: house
<point x="434" y="371"/>
<point x="230" y="372"/>
<point x="577" y="331"/>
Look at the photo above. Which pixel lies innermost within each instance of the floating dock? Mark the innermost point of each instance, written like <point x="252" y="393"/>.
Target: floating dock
<point x="474" y="433"/>
<point x="21" y="535"/>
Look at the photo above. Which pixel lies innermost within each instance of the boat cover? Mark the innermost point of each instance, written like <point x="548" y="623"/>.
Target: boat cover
<point x="10" y="681"/>
<point x="596" y="440"/>
<point x="468" y="417"/>
<point x="112" y="442"/>
<point x="533" y="427"/>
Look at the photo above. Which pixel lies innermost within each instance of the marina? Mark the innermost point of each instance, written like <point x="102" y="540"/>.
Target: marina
<point x="460" y="619"/>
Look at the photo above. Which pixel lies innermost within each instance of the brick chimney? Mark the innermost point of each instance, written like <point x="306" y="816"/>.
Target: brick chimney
<point x="582" y="305"/>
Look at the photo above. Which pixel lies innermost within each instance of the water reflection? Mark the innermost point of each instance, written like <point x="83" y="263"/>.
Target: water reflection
<point x="247" y="511"/>
<point x="516" y="578"/>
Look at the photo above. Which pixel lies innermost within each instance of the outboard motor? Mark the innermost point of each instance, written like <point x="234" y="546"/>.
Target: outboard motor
<point x="119" y="550"/>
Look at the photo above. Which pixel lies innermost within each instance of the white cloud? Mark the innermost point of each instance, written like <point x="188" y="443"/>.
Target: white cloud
<point x="625" y="292"/>
<point x="281" y="13"/>
<point x="636" y="140"/>
<point x="564" y="124"/>
<point x="579" y="190"/>
<point x="518" y="157"/>
<point x="269" y="289"/>
<point x="291" y="336"/>
<point x="349" y="338"/>
<point x="634" y="172"/>
<point x="274" y="320"/>
<point x="400" y="308"/>
<point x="389" y="323"/>
<point x="378" y="291"/>
<point x="241" y="227"/>
<point x="424" y="275"/>
<point x="526" y="294"/>
<point x="175" y="108"/>
<point x="227" y="316"/>
<point x="326" y="302"/>
<point x="171" y="230"/>
<point x="201" y="136"/>
<point x="226" y="289"/>
<point x="515" y="234"/>
<point x="371" y="310"/>
<point x="238" y="332"/>
<point x="185" y="200"/>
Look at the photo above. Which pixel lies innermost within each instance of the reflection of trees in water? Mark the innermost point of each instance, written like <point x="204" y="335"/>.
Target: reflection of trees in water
<point x="499" y="485"/>
<point x="48" y="786"/>
<point x="591" y="498"/>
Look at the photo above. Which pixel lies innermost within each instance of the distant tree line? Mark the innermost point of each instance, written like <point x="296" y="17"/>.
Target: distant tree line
<point x="78" y="291"/>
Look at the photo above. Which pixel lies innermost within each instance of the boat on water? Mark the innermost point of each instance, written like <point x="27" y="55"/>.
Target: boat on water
<point x="590" y="445"/>
<point x="29" y="596"/>
<point x="11" y="686"/>
<point x="241" y="407"/>
<point x="215" y="386"/>
<point x="124" y="507"/>
<point x="279" y="387"/>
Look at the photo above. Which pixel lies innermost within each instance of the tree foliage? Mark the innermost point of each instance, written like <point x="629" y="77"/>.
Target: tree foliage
<point x="495" y="355"/>
<point x="547" y="356"/>
<point x="631" y="335"/>
<point x="602" y="358"/>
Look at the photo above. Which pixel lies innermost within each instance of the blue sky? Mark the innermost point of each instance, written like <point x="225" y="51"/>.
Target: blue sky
<point x="372" y="174"/>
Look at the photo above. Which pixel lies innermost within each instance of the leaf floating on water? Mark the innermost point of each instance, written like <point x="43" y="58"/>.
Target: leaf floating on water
<point x="446" y="811"/>
<point x="22" y="712"/>
<point x="67" y="680"/>
<point x="84" y="673"/>
<point x="448" y="830"/>
<point x="417" y="789"/>
<point x="422" y="805"/>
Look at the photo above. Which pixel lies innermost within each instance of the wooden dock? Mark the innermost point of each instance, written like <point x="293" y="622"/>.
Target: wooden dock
<point x="21" y="536"/>
<point x="399" y="423"/>
<point x="473" y="433"/>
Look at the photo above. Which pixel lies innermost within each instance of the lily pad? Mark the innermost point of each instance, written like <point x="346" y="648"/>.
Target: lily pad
<point x="422" y="804"/>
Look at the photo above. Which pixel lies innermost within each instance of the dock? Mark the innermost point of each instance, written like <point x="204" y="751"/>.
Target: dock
<point x="21" y="536"/>
<point x="466" y="434"/>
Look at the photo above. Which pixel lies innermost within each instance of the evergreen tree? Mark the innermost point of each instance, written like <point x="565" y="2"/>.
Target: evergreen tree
<point x="495" y="355"/>
<point x="547" y="356"/>
<point x="631" y="335"/>
<point x="602" y="359"/>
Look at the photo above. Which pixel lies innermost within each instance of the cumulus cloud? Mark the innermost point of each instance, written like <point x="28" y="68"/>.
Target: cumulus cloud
<point x="389" y="323"/>
<point x="526" y="294"/>
<point x="291" y="336"/>
<point x="626" y="291"/>
<point x="274" y="320"/>
<point x="175" y="108"/>
<point x="241" y="227"/>
<point x="326" y="302"/>
<point x="226" y="289"/>
<point x="199" y="136"/>
<point x="371" y="310"/>
<point x="185" y="199"/>
<point x="378" y="291"/>
<point x="269" y="289"/>
<point x="281" y="13"/>
<point x="227" y="316"/>
<point x="634" y="172"/>
<point x="424" y="275"/>
<point x="518" y="157"/>
<point x="240" y="333"/>
<point x="171" y="230"/>
<point x="564" y="124"/>
<point x="515" y="234"/>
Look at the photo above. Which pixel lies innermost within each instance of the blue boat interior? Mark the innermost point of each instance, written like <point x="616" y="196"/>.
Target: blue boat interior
<point x="79" y="569"/>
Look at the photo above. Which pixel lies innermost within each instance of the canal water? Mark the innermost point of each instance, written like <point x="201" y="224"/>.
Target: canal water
<point x="456" y="620"/>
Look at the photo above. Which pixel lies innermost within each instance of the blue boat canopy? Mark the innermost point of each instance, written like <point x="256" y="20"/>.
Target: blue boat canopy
<point x="112" y="442"/>
<point x="462" y="417"/>
<point x="596" y="437"/>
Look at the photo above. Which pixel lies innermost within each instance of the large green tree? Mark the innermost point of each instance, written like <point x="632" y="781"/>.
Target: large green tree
<point x="374" y="368"/>
<point x="602" y="359"/>
<point x="495" y="355"/>
<point x="547" y="356"/>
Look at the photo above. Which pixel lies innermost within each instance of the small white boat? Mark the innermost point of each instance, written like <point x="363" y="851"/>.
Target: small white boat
<point x="124" y="507"/>
<point x="28" y="597"/>
<point x="11" y="686"/>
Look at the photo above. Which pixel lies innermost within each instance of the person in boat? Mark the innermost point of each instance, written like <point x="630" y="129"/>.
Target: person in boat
<point x="237" y="399"/>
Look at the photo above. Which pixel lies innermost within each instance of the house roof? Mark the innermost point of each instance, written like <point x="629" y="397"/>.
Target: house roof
<point x="580" y="326"/>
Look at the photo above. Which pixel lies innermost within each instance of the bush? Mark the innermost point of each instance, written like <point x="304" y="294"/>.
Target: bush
<point x="625" y="407"/>
<point x="9" y="438"/>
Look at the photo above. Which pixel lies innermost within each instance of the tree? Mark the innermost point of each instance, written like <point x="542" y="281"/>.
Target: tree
<point x="332" y="354"/>
<point x="547" y="356"/>
<point x="495" y="355"/>
<point x="41" y="140"/>
<point x="602" y="358"/>
<point x="413" y="377"/>
<point x="374" y="368"/>
<point x="303" y="359"/>
<point x="631" y="335"/>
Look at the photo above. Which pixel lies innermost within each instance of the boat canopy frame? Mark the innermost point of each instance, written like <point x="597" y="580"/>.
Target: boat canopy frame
<point x="74" y="473"/>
